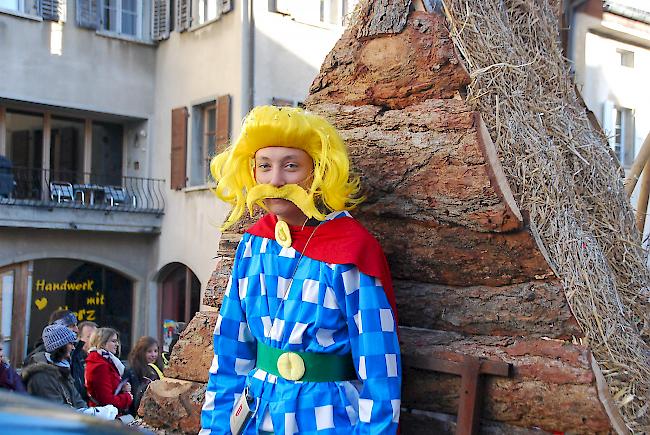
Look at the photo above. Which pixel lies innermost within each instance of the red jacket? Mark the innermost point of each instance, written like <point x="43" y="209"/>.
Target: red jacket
<point x="102" y="379"/>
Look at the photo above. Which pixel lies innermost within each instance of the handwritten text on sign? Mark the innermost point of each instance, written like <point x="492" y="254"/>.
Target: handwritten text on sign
<point x="70" y="286"/>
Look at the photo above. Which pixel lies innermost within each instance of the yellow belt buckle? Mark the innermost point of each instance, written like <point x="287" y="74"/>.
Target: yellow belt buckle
<point x="291" y="366"/>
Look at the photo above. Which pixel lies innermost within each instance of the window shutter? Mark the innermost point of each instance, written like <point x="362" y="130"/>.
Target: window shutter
<point x="87" y="14"/>
<point x="179" y="148"/>
<point x="223" y="122"/>
<point x="226" y="6"/>
<point x="160" y="20"/>
<point x="53" y="10"/>
<point x="183" y="14"/>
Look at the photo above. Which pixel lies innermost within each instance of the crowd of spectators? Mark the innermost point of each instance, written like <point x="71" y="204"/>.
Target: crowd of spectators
<point x="78" y="365"/>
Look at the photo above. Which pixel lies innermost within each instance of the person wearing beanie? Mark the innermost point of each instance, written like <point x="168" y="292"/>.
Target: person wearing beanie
<point x="52" y="379"/>
<point x="69" y="320"/>
<point x="65" y="317"/>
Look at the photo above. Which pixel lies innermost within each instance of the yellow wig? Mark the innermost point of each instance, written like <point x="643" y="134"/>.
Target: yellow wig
<point x="333" y="188"/>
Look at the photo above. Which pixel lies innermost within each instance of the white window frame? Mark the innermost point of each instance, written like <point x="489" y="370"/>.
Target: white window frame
<point x="118" y="19"/>
<point x="203" y="8"/>
<point x="624" y="135"/>
<point x="21" y="9"/>
<point x="198" y="156"/>
<point x="618" y="124"/>
<point x="316" y="12"/>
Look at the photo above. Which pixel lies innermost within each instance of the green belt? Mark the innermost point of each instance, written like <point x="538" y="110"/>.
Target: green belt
<point x="305" y="366"/>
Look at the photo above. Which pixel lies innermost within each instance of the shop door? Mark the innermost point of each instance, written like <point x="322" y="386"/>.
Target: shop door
<point x="180" y="297"/>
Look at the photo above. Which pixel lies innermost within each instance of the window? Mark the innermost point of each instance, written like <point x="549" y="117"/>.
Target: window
<point x="626" y="57"/>
<point x="209" y="136"/>
<point x="330" y="12"/>
<point x="122" y="17"/>
<point x="24" y="139"/>
<point x="66" y="149"/>
<point x="29" y="7"/>
<point x="618" y="125"/>
<point x="107" y="152"/>
<point x="106" y="296"/>
<point x="207" y="10"/>
<point x="210" y="130"/>
<point x="624" y="136"/>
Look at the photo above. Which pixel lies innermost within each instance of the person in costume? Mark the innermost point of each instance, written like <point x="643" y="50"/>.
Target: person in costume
<point x="307" y="327"/>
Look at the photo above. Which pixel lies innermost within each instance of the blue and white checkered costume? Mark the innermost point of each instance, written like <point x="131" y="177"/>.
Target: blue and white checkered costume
<point x="330" y="308"/>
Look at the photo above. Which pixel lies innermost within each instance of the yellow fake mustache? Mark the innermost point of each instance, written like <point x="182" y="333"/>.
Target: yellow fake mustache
<point x="290" y="192"/>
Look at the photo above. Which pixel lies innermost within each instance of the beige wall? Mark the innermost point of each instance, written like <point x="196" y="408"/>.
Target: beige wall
<point x="192" y="67"/>
<point x="288" y="54"/>
<point x="92" y="72"/>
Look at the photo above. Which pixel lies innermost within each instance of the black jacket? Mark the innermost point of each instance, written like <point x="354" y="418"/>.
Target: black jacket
<point x="52" y="383"/>
<point x="78" y="368"/>
<point x="139" y="385"/>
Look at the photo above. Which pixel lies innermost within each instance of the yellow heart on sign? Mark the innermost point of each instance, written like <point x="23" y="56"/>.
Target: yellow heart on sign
<point x="41" y="303"/>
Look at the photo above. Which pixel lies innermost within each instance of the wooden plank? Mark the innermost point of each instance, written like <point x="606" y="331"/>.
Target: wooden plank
<point x="642" y="205"/>
<point x="637" y="166"/>
<point x="487" y="367"/>
<point x="18" y="321"/>
<point x="178" y="174"/>
<point x="469" y="406"/>
<point x="223" y="122"/>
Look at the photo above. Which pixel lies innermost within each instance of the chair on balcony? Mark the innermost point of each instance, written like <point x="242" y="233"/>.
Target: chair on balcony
<point x="63" y="192"/>
<point x="117" y="195"/>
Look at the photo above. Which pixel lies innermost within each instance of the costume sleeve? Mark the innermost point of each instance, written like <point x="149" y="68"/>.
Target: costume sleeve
<point x="375" y="350"/>
<point x="235" y="353"/>
<point x="103" y="389"/>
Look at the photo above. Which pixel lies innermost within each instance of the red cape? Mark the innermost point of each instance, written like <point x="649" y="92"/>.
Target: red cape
<point x="342" y="240"/>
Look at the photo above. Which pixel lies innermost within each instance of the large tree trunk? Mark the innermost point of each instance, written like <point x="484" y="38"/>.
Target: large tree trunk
<point x="470" y="276"/>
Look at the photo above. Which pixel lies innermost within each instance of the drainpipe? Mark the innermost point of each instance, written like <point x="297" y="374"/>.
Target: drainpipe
<point x="248" y="56"/>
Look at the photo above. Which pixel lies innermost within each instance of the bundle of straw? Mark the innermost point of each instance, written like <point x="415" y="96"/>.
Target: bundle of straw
<point x="561" y="170"/>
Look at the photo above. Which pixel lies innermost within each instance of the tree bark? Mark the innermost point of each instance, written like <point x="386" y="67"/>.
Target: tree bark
<point x="552" y="386"/>
<point x="533" y="309"/>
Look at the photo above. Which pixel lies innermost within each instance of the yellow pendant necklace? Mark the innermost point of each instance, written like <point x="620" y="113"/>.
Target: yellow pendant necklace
<point x="282" y="233"/>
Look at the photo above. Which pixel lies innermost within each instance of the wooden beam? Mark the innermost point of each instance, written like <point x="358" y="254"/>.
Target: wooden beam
<point x="470" y="369"/>
<point x="20" y="306"/>
<point x="642" y="205"/>
<point x="469" y="406"/>
<point x="637" y="166"/>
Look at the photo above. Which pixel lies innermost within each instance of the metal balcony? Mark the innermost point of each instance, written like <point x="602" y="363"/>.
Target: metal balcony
<point x="79" y="200"/>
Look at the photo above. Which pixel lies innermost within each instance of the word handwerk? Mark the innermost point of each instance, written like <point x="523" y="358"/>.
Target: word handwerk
<point x="66" y="285"/>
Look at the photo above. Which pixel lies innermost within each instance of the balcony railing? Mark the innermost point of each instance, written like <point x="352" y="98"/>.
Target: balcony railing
<point x="82" y="190"/>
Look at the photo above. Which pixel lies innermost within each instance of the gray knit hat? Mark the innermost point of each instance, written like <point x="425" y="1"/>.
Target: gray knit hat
<point x="57" y="335"/>
<point x="67" y="320"/>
